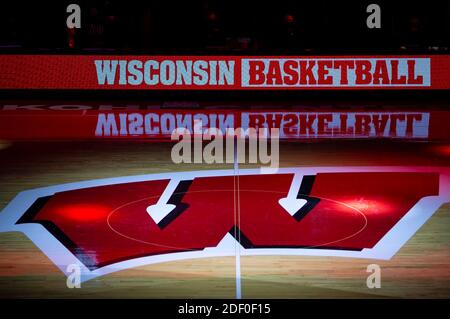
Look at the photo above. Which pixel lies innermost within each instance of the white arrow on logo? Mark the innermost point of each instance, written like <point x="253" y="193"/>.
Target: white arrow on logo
<point x="291" y="203"/>
<point x="161" y="209"/>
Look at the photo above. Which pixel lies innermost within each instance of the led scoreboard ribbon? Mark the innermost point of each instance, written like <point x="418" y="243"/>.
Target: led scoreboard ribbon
<point x="223" y="72"/>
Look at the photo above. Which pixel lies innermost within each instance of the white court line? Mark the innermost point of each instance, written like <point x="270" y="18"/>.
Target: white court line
<point x="237" y="209"/>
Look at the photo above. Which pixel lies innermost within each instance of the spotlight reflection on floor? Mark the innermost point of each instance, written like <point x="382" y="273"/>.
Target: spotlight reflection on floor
<point x="442" y="150"/>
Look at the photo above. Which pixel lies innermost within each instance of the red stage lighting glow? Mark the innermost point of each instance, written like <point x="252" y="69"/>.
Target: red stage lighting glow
<point x="84" y="212"/>
<point x="374" y="207"/>
<point x="212" y="16"/>
<point x="443" y="150"/>
<point x="289" y="18"/>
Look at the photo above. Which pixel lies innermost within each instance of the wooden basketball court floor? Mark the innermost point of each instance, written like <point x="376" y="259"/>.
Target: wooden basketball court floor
<point x="419" y="270"/>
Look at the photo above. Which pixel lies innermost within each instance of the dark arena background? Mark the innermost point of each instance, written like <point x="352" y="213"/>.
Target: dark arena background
<point x="203" y="152"/>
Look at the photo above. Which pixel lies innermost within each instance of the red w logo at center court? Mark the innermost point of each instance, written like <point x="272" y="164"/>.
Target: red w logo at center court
<point x="118" y="223"/>
<point x="339" y="213"/>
